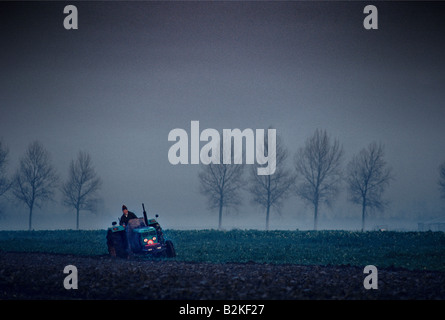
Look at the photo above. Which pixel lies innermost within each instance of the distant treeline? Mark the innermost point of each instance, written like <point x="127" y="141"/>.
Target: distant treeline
<point x="316" y="174"/>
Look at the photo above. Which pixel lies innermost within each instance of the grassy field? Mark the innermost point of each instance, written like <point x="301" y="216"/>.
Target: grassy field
<point x="410" y="250"/>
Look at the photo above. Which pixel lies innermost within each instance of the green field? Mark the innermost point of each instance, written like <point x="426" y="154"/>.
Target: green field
<point x="411" y="250"/>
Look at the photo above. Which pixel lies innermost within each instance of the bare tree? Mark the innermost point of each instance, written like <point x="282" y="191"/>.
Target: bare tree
<point x="367" y="178"/>
<point x="35" y="179"/>
<point x="318" y="166"/>
<point x="5" y="183"/>
<point x="270" y="190"/>
<point x="79" y="191"/>
<point x="221" y="184"/>
<point x="442" y="179"/>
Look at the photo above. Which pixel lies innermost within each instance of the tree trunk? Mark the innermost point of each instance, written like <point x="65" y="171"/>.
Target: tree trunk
<point x="30" y="218"/>
<point x="267" y="217"/>
<point x="315" y="215"/>
<point x="77" y="218"/>
<point x="363" y="214"/>
<point x="220" y="215"/>
<point x="268" y="203"/>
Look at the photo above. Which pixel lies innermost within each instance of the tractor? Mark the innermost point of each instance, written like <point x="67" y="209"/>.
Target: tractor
<point x="140" y="236"/>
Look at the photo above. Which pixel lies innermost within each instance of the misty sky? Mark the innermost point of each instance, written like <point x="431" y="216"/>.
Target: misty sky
<point x="133" y="71"/>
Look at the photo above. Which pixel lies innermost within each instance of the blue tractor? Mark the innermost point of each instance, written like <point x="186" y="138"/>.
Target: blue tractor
<point x="140" y="236"/>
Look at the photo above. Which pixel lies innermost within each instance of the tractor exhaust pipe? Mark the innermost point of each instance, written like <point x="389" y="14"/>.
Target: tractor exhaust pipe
<point x="145" y="215"/>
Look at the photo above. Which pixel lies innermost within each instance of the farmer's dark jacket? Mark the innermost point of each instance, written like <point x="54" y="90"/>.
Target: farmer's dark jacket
<point x="124" y="219"/>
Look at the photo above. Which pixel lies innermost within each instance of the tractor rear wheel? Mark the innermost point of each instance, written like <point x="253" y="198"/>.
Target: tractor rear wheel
<point x="117" y="244"/>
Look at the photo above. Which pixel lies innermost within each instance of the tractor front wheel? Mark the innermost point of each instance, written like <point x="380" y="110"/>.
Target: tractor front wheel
<point x="170" y="249"/>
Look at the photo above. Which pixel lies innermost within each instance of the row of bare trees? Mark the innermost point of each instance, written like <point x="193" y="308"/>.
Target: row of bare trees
<point x="316" y="179"/>
<point x="35" y="181"/>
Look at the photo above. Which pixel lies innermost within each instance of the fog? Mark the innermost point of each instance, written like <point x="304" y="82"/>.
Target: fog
<point x="134" y="71"/>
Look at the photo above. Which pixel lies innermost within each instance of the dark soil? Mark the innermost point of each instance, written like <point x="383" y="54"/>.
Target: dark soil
<point x="40" y="276"/>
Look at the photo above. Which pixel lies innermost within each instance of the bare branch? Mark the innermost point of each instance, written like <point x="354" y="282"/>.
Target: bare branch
<point x="442" y="179"/>
<point x="368" y="176"/>
<point x="5" y="183"/>
<point x="35" y="180"/>
<point x="221" y="184"/>
<point x="318" y="166"/>
<point x="79" y="191"/>
<point x="271" y="190"/>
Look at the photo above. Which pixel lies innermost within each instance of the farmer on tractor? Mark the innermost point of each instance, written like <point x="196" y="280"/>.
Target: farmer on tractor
<point x="126" y="216"/>
<point x="137" y="236"/>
